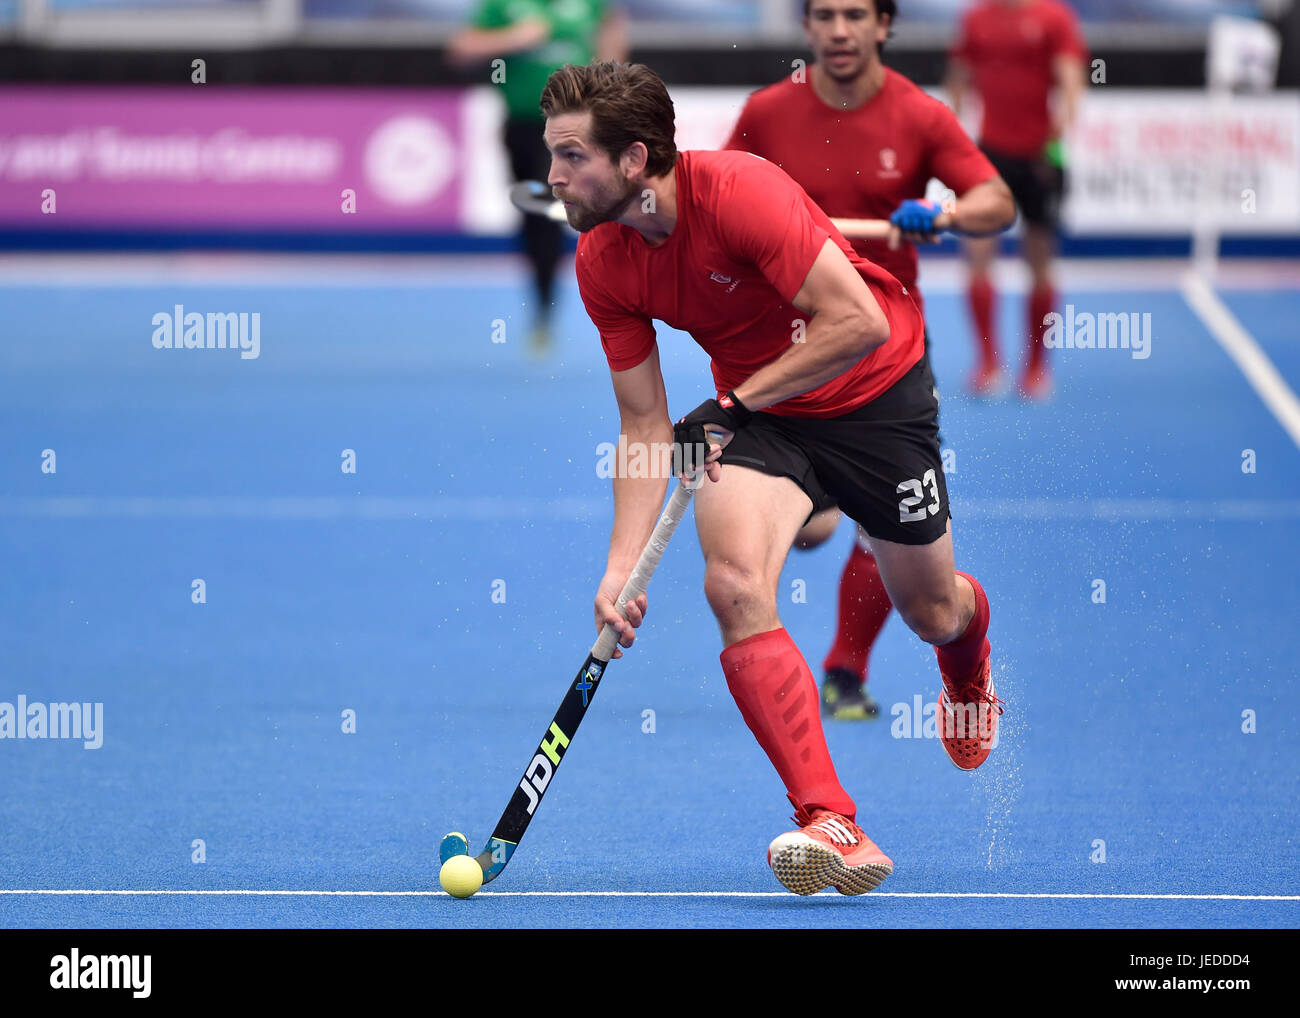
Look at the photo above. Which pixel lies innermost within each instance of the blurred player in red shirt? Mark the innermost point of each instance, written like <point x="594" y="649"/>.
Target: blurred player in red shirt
<point x="863" y="141"/>
<point x="1015" y="52"/>
<point x="823" y="396"/>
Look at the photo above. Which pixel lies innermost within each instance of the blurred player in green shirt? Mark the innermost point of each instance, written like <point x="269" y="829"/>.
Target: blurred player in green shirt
<point x="534" y="38"/>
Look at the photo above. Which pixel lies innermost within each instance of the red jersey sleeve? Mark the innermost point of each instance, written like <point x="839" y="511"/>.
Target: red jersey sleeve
<point x="1066" y="36"/>
<point x="764" y="219"/>
<point x="952" y="156"/>
<point x="626" y="336"/>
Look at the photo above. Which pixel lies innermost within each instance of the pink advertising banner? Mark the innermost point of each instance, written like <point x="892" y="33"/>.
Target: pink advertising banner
<point x="330" y="159"/>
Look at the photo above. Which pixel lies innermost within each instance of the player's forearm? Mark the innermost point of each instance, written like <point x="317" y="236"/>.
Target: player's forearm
<point x="986" y="208"/>
<point x="828" y="347"/>
<point x="611" y="40"/>
<point x="1070" y="107"/>
<point x="641" y="470"/>
<point x="956" y="84"/>
<point x="1070" y="80"/>
<point x="475" y="44"/>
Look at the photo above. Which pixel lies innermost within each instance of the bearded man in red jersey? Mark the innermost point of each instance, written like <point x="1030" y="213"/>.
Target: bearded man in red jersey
<point x="822" y="395"/>
<point x="1015" y="53"/>
<point x="863" y="141"/>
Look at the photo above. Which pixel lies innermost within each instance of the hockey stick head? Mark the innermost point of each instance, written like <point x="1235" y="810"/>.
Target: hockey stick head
<point x="492" y="860"/>
<point x="535" y="198"/>
<point x="494" y="857"/>
<point x="454" y="843"/>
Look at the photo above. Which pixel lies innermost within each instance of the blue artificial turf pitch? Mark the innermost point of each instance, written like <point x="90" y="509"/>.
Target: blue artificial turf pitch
<point x="373" y="592"/>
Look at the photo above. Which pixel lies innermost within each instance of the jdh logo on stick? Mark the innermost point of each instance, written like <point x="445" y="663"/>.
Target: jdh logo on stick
<point x="539" y="772"/>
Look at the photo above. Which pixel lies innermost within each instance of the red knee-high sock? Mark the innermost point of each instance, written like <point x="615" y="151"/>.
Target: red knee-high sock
<point x="777" y="697"/>
<point x="964" y="655"/>
<point x="864" y="606"/>
<point x="982" y="299"/>
<point x="1042" y="300"/>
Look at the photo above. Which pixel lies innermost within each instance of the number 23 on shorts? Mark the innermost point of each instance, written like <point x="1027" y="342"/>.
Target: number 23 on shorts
<point x="915" y="490"/>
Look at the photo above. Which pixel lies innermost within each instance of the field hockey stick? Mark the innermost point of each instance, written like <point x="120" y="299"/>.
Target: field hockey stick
<point x="535" y="198"/>
<point x="863" y="229"/>
<point x="541" y="769"/>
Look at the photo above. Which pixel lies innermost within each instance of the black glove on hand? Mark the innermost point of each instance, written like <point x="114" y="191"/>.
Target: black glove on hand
<point x="691" y="433"/>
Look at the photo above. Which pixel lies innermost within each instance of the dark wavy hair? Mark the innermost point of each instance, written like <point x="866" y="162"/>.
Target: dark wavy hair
<point x="883" y="7"/>
<point x="628" y="103"/>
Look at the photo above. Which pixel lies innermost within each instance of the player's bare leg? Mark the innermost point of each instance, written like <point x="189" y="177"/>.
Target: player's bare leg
<point x="1039" y="248"/>
<point x="747" y="521"/>
<point x="948" y="609"/>
<point x="981" y="252"/>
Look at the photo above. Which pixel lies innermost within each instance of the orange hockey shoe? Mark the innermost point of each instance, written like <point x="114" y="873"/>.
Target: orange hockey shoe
<point x="828" y="850"/>
<point x="968" y="718"/>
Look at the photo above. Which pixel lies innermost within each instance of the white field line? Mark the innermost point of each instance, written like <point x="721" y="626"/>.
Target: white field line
<point x="1240" y="345"/>
<point x="439" y="271"/>
<point x="260" y="271"/>
<point x="309" y="507"/>
<point x="659" y="894"/>
<point x="489" y="508"/>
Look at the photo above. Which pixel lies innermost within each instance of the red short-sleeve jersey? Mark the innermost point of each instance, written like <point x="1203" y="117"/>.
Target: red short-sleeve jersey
<point x="745" y="239"/>
<point x="863" y="163"/>
<point x="1011" y="50"/>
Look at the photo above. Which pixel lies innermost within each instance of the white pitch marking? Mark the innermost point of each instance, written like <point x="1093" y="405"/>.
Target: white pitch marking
<point x="434" y="271"/>
<point x="304" y="507"/>
<point x="673" y="894"/>
<point x="490" y="507"/>
<point x="1240" y="345"/>
<point x="254" y="270"/>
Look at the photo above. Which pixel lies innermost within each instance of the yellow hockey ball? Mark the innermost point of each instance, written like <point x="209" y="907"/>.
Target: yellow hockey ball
<point x="461" y="876"/>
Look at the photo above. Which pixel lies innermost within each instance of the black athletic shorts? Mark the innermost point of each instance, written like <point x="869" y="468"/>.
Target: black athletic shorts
<point x="880" y="463"/>
<point x="1037" y="186"/>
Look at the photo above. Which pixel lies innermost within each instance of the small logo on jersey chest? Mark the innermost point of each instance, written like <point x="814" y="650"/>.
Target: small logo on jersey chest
<point x="888" y="163"/>
<point x="726" y="281"/>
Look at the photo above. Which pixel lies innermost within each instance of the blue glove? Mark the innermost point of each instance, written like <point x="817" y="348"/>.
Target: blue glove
<point x="916" y="216"/>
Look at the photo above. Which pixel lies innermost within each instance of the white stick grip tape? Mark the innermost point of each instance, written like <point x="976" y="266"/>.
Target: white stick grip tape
<point x="603" y="648"/>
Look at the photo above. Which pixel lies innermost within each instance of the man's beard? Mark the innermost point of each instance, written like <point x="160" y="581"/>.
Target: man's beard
<point x="587" y="217"/>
